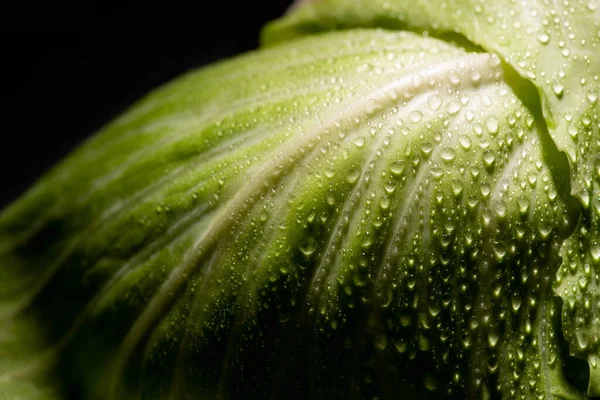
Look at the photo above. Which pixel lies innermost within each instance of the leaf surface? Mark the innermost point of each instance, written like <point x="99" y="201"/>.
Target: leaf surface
<point x="346" y="215"/>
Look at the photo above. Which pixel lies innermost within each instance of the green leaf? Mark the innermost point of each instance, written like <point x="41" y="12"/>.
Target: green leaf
<point x="352" y="214"/>
<point x="557" y="47"/>
<point x="578" y="285"/>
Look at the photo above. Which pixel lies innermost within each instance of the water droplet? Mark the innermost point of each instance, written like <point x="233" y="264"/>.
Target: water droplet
<point x="470" y="115"/>
<point x="448" y="154"/>
<point x="426" y="149"/>
<point x="595" y="251"/>
<point x="453" y="107"/>
<point x="532" y="179"/>
<point x="544" y="228"/>
<point x="485" y="190"/>
<point x="489" y="158"/>
<point x="430" y="382"/>
<point x="390" y="187"/>
<point x="416" y="81"/>
<point x="359" y="142"/>
<point x="436" y="172"/>
<point x="472" y="201"/>
<point x="263" y="216"/>
<point x="558" y="89"/>
<point x="543" y="38"/>
<point x="397" y="168"/>
<point x="523" y="204"/>
<point x="581" y="340"/>
<point x="501" y="209"/>
<point x="308" y="247"/>
<point x="384" y="203"/>
<point x="465" y="142"/>
<point x="401" y="347"/>
<point x="499" y="251"/>
<point x="592" y="97"/>
<point x="572" y="131"/>
<point x="434" y="102"/>
<point x="516" y="302"/>
<point x="415" y="116"/>
<point x="361" y="69"/>
<point x="434" y="309"/>
<point x="491" y="124"/>
<point x="453" y="78"/>
<point x="457" y="187"/>
<point x="353" y="176"/>
<point x="330" y="199"/>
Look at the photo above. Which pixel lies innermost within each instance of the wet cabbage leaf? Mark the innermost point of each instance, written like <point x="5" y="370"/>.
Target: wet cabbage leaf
<point x="387" y="200"/>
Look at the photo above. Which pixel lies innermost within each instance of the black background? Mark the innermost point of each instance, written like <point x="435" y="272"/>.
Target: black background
<point x="68" y="68"/>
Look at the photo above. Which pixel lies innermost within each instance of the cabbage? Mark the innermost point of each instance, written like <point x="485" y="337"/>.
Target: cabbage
<point x="388" y="199"/>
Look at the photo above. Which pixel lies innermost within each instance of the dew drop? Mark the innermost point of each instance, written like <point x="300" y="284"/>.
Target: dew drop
<point x="308" y="247"/>
<point x="492" y="125"/>
<point x="543" y="38"/>
<point x="384" y="203"/>
<point x="448" y="154"/>
<point x="416" y="81"/>
<point x="397" y="168"/>
<point x="595" y="251"/>
<point x="489" y="158"/>
<point x="558" y="89"/>
<point x="472" y="201"/>
<point x="330" y="199"/>
<point x="453" y="107"/>
<point x="470" y="115"/>
<point x="493" y="339"/>
<point x="516" y="302"/>
<point x="475" y="75"/>
<point x="353" y="176"/>
<point x="544" y="229"/>
<point x="401" y="347"/>
<point x="434" y="102"/>
<point x="465" y="142"/>
<point x="359" y="142"/>
<point x="453" y="78"/>
<point x="485" y="189"/>
<point x="457" y="187"/>
<point x="434" y="309"/>
<point x="390" y="187"/>
<point x="426" y="149"/>
<point x="416" y="116"/>
<point x="581" y="340"/>
<point x="501" y="209"/>
<point x="436" y="172"/>
<point x="429" y="382"/>
<point x="532" y="179"/>
<point x="499" y="251"/>
<point x="523" y="204"/>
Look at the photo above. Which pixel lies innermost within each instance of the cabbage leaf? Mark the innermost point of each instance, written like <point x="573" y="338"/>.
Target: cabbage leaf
<point x="387" y="198"/>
